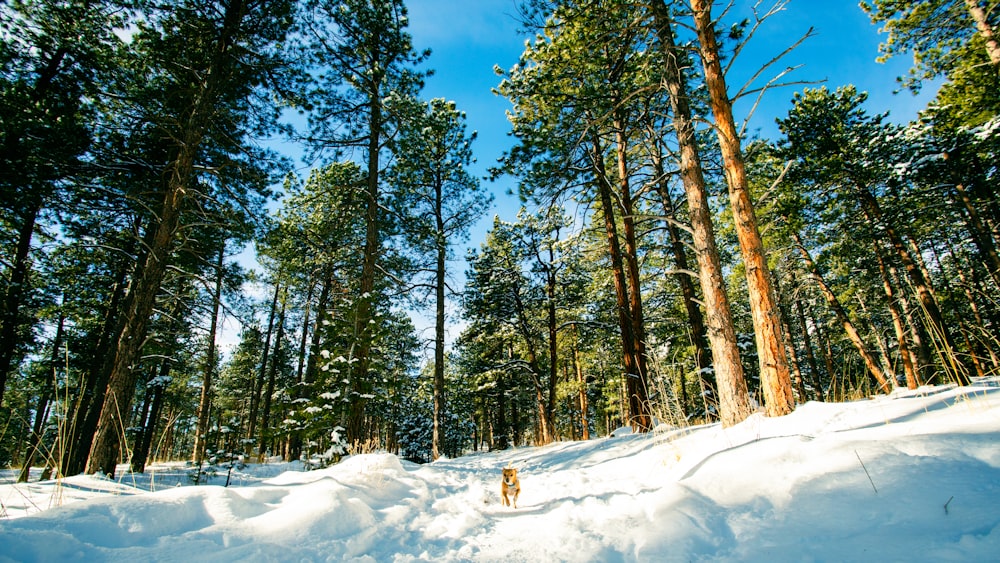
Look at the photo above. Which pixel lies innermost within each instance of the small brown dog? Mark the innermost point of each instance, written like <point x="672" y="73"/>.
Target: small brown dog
<point x="510" y="486"/>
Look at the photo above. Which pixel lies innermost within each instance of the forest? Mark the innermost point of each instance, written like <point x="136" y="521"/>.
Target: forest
<point x="666" y="267"/>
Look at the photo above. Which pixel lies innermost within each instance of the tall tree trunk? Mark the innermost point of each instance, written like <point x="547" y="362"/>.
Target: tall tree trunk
<point x="636" y="382"/>
<point x="178" y="179"/>
<point x="45" y="396"/>
<point x="921" y="284"/>
<point x="683" y="275"/>
<point x="986" y="30"/>
<point x="793" y="358"/>
<point x="205" y="403"/>
<point x="17" y="287"/>
<point x="553" y="329"/>
<point x="17" y="281"/>
<point x="871" y="364"/>
<point x="774" y="372"/>
<point x="909" y="370"/>
<point x="734" y="399"/>
<point x="625" y="323"/>
<point x="523" y="327"/>
<point x="322" y="306"/>
<point x="265" y="417"/>
<point x="438" y="431"/>
<point x="157" y="387"/>
<point x="362" y="329"/>
<point x="258" y="384"/>
<point x="106" y="448"/>
<point x="807" y="345"/>
<point x="87" y="407"/>
<point x="582" y="384"/>
<point x="304" y="339"/>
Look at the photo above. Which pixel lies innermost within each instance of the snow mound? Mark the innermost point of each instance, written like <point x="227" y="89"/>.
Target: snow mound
<point x="911" y="476"/>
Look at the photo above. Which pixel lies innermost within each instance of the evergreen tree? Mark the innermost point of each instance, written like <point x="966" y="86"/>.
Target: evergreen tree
<point x="436" y="200"/>
<point x="197" y="97"/>
<point x="360" y="53"/>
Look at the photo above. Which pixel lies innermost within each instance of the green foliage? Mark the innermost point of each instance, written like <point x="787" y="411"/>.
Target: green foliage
<point x="939" y="33"/>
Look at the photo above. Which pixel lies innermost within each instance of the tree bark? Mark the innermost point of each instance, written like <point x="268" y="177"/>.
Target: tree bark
<point x="205" y="402"/>
<point x="265" y="416"/>
<point x="793" y="358"/>
<point x="909" y="370"/>
<point x="553" y="330"/>
<point x="734" y="399"/>
<point x="17" y="286"/>
<point x="437" y="438"/>
<point x="106" y="448"/>
<point x="774" y="372"/>
<point x="372" y="250"/>
<point x="696" y="321"/>
<point x="920" y="282"/>
<point x="871" y="364"/>
<point x="90" y="399"/>
<point x="625" y="323"/>
<point x="178" y="178"/>
<point x="810" y="356"/>
<point x="258" y="383"/>
<point x="158" y="388"/>
<point x="582" y="383"/>
<point x="636" y="382"/>
<point x="523" y="327"/>
<point x="986" y="30"/>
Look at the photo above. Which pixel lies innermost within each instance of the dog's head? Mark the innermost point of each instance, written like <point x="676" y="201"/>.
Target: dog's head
<point x="509" y="475"/>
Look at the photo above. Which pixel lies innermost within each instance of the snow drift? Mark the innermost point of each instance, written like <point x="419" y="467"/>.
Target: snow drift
<point x="912" y="476"/>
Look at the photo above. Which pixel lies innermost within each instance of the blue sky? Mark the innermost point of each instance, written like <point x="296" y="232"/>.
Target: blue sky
<point x="469" y="37"/>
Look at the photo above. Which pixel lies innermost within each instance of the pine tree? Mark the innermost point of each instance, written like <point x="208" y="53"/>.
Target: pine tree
<point x="361" y="53"/>
<point x="775" y="375"/>
<point x="436" y="201"/>
<point x="207" y="100"/>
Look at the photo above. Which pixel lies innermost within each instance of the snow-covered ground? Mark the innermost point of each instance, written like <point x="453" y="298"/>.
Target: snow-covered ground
<point x="911" y="477"/>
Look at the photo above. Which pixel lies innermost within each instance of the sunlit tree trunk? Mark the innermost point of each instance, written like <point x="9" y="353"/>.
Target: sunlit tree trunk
<point x="871" y="364"/>
<point x="986" y="30"/>
<point x="637" y="381"/>
<point x="625" y="324"/>
<point x="106" y="448"/>
<point x="734" y="400"/>
<point x="903" y="347"/>
<point x="775" y="377"/>
<point x="582" y="386"/>
<point x="683" y="275"/>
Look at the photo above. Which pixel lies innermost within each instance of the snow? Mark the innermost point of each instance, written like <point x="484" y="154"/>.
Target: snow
<point x="908" y="477"/>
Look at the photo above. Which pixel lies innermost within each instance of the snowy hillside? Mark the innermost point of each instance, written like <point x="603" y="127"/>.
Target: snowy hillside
<point x="912" y="477"/>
